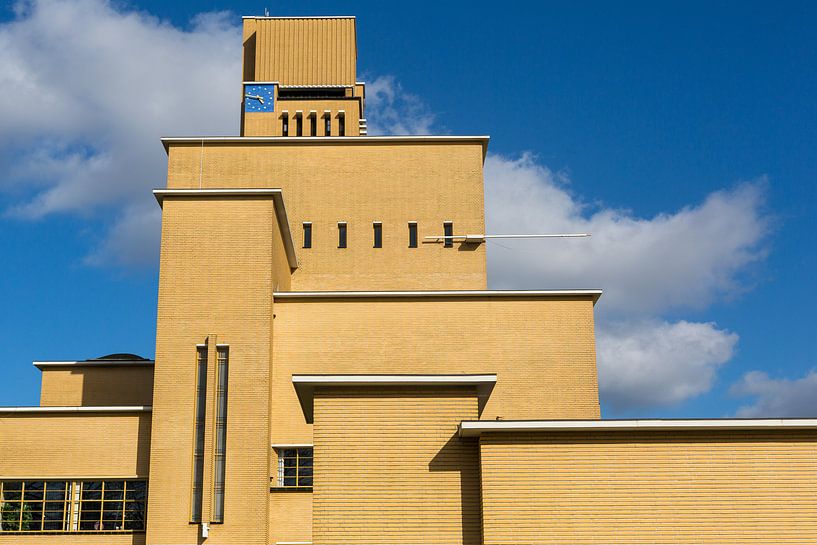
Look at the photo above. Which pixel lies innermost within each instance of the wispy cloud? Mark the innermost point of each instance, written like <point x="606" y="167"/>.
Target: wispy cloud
<point x="392" y="110"/>
<point x="780" y="397"/>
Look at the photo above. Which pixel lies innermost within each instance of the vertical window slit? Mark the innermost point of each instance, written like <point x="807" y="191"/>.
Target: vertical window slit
<point x="378" y="234"/>
<point x="448" y="231"/>
<point x="341" y="124"/>
<point x="285" y="124"/>
<point x="412" y="228"/>
<point x="219" y="460"/>
<point x="307" y="234"/>
<point x="198" y="445"/>
<point x="342" y="235"/>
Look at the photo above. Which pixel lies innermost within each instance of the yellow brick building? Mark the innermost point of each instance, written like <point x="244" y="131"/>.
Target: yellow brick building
<point x="330" y="367"/>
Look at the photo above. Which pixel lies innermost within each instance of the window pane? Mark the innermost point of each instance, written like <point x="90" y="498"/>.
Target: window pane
<point x="412" y="235"/>
<point x="448" y="229"/>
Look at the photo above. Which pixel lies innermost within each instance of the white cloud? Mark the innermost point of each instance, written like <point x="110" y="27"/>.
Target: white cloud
<point x="777" y="397"/>
<point x="651" y="363"/>
<point x="87" y="91"/>
<point x="685" y="259"/>
<point x="391" y="110"/>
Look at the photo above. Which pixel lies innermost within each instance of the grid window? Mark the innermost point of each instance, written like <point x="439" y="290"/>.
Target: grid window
<point x="307" y="234"/>
<point x="378" y="234"/>
<point x="295" y="467"/>
<point x="448" y="231"/>
<point x="221" y="434"/>
<point x="198" y="444"/>
<point x="412" y="226"/>
<point x="72" y="506"/>
<point x="342" y="235"/>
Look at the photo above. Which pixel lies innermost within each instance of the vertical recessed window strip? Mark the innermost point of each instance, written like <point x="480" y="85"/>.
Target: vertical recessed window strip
<point x="342" y="234"/>
<point x="328" y="125"/>
<point x="198" y="441"/>
<point x="313" y="125"/>
<point x="285" y="124"/>
<point x="412" y="226"/>
<point x="307" y="234"/>
<point x="219" y="460"/>
<point x="299" y="125"/>
<point x="341" y="124"/>
<point x="448" y="231"/>
<point x="378" y="234"/>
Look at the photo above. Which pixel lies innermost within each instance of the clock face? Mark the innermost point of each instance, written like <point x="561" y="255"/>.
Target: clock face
<point x="259" y="97"/>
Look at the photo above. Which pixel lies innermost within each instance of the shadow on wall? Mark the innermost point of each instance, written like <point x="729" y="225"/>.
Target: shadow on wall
<point x="462" y="455"/>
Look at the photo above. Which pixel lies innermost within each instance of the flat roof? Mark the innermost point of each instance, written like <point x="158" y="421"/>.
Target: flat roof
<point x="305" y="384"/>
<point x="89" y="409"/>
<point x="277" y="196"/>
<point x="93" y="363"/>
<point x="594" y="294"/>
<point x="323" y="140"/>
<point x="475" y="428"/>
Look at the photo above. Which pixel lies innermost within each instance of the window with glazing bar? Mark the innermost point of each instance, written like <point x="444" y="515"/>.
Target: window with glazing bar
<point x="198" y="440"/>
<point x="294" y="467"/>
<point x="108" y="506"/>
<point x="219" y="461"/>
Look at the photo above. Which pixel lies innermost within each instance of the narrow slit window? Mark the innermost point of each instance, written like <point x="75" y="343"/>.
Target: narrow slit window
<point x="342" y="235"/>
<point x="198" y="445"/>
<point x="378" y="234"/>
<point x="219" y="461"/>
<point x="313" y="125"/>
<point x="299" y="126"/>
<point x="412" y="234"/>
<point x="327" y="125"/>
<point x="448" y="231"/>
<point x="307" y="234"/>
<point x="341" y="124"/>
<point x="285" y="125"/>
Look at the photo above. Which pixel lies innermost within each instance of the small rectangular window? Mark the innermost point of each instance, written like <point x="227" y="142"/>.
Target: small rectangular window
<point x="307" y="234"/>
<point x="313" y="125"/>
<point x="341" y="124"/>
<point x="412" y="234"/>
<point x="285" y="125"/>
<point x="448" y="231"/>
<point x="328" y="125"/>
<point x="342" y="235"/>
<point x="295" y="467"/>
<point x="299" y="125"/>
<point x="378" y="234"/>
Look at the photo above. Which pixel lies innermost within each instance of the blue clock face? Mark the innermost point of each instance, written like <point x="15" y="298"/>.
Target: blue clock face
<point x="259" y="98"/>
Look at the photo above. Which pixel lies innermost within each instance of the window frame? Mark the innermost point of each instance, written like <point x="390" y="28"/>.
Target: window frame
<point x="301" y="452"/>
<point x="412" y="228"/>
<point x="307" y="234"/>
<point x="377" y="234"/>
<point x="343" y="234"/>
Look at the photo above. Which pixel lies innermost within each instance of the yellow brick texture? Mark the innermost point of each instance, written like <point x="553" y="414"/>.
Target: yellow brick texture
<point x="290" y="517"/>
<point x="711" y="487"/>
<point x="390" y="468"/>
<point x="542" y="350"/>
<point x="216" y="278"/>
<point x="271" y="123"/>
<point x="74" y="445"/>
<point x="359" y="181"/>
<point x="96" y="386"/>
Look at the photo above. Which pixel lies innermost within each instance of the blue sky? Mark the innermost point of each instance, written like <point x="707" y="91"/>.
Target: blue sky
<point x="681" y="134"/>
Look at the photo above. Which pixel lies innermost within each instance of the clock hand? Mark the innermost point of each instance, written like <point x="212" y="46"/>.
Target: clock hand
<point x="259" y="98"/>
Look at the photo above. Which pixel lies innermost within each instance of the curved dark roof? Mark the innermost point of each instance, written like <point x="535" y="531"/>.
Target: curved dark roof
<point x="120" y="357"/>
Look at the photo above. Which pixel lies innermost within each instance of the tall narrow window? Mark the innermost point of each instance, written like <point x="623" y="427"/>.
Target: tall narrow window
<point x="307" y="234"/>
<point x="299" y="125"/>
<point x="327" y="123"/>
<point x="285" y="124"/>
<point x="219" y="460"/>
<point x="448" y="231"/>
<point x="378" y="234"/>
<point x="412" y="234"/>
<point x="198" y="444"/>
<point x="313" y="125"/>
<point x="342" y="234"/>
<point x="341" y="124"/>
